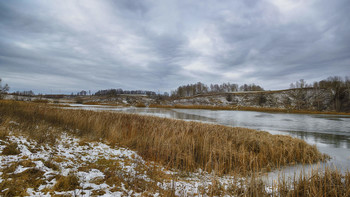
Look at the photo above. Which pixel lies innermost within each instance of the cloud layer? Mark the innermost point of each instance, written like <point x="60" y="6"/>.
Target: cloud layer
<point x="65" y="46"/>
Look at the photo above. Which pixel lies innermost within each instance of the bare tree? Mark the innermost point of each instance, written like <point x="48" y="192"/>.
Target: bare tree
<point x="298" y="94"/>
<point x="3" y="89"/>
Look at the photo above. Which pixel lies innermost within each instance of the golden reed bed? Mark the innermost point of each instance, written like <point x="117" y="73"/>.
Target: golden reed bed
<point x="178" y="144"/>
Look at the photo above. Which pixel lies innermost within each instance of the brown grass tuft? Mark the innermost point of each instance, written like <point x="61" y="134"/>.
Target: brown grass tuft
<point x="140" y="105"/>
<point x="41" y="101"/>
<point x="3" y="133"/>
<point x="27" y="163"/>
<point x="11" y="149"/>
<point x="330" y="182"/>
<point x="67" y="183"/>
<point x="17" y="184"/>
<point x="49" y="163"/>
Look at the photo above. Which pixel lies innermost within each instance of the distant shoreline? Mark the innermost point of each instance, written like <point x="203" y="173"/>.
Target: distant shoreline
<point x="233" y="108"/>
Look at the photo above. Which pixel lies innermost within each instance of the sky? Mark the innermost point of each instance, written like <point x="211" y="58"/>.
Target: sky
<point x="66" y="46"/>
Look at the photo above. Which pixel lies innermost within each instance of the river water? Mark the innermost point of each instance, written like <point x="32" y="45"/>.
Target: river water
<point x="330" y="133"/>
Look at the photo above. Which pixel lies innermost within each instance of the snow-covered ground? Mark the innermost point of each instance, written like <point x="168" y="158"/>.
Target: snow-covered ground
<point x="101" y="169"/>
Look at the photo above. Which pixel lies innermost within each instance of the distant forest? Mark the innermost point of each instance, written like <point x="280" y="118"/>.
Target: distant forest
<point x="111" y="92"/>
<point x="183" y="91"/>
<point x="200" y="88"/>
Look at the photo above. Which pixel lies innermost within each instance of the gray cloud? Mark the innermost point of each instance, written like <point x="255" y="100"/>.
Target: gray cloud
<point x="64" y="46"/>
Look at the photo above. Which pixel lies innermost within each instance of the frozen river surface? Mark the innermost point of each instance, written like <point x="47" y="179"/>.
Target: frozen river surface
<point x="330" y="133"/>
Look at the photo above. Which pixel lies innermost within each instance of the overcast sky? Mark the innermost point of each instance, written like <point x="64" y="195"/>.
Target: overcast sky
<point x="67" y="46"/>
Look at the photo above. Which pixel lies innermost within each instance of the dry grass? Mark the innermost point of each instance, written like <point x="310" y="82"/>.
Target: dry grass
<point x="112" y="169"/>
<point x="41" y="101"/>
<point x="177" y="144"/>
<point x="327" y="182"/>
<point x="140" y="105"/>
<point x="3" y="133"/>
<point x="67" y="183"/>
<point x="11" y="149"/>
<point x="26" y="163"/>
<point x="41" y="132"/>
<point x="17" y="184"/>
<point x="317" y="183"/>
<point x="92" y="103"/>
<point x="49" y="163"/>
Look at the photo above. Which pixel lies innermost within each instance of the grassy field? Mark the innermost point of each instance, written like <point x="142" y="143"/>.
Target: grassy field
<point x="181" y="146"/>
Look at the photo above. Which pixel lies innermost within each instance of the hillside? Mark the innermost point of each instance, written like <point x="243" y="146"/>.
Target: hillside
<point x="289" y="100"/>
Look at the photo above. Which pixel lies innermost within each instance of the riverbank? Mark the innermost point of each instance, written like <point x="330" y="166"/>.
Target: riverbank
<point x="230" y="108"/>
<point x="242" y="108"/>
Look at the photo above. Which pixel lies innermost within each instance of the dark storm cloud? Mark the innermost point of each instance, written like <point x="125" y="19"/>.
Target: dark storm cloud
<point x="158" y="45"/>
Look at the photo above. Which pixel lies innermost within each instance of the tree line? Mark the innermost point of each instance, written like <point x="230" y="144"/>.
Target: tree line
<point x="24" y="93"/>
<point x="201" y="88"/>
<point x="114" y="92"/>
<point x="333" y="92"/>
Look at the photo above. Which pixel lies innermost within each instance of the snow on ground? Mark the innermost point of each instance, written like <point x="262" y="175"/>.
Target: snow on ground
<point x="68" y="155"/>
<point x="74" y="166"/>
<point x="92" y="163"/>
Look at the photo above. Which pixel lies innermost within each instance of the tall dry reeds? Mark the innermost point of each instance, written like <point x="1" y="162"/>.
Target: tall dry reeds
<point x="174" y="143"/>
<point x="318" y="182"/>
<point x="327" y="182"/>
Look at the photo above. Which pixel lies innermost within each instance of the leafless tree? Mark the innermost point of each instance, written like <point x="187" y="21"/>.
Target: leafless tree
<point x="3" y="89"/>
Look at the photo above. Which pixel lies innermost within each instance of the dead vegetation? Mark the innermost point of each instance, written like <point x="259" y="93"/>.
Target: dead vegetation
<point x="66" y="183"/>
<point x="11" y="149"/>
<point x="17" y="184"/>
<point x="182" y="145"/>
<point x="330" y="182"/>
<point x="120" y="173"/>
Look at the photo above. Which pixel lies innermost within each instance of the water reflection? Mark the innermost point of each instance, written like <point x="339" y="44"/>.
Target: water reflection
<point x="165" y="113"/>
<point x="332" y="140"/>
<point x="286" y="119"/>
<point x="168" y="113"/>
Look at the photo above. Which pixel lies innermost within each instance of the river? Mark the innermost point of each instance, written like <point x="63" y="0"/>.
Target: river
<point x="330" y="133"/>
